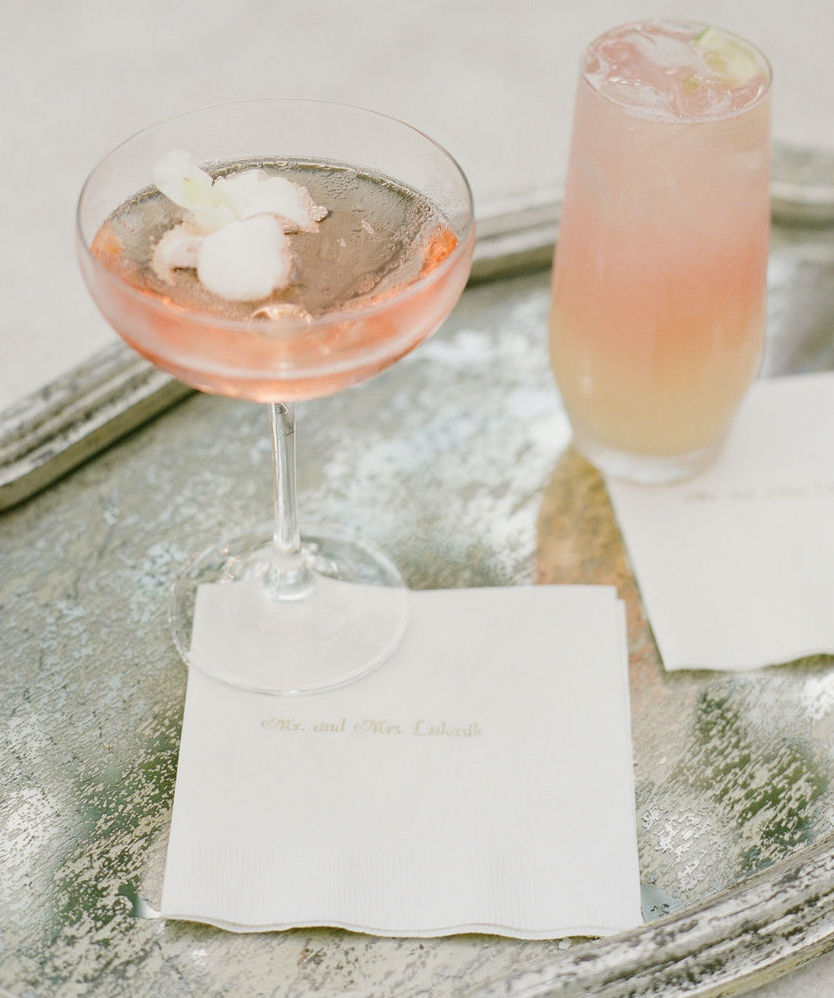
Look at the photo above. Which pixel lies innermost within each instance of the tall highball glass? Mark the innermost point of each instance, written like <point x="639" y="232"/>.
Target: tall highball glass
<point x="658" y="311"/>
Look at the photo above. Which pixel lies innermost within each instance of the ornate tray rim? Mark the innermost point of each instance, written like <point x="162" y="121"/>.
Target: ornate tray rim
<point x="737" y="939"/>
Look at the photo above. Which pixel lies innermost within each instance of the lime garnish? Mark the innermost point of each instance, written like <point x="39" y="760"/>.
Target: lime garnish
<point x="726" y="57"/>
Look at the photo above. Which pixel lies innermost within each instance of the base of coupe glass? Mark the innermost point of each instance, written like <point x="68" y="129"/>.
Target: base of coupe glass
<point x="343" y="626"/>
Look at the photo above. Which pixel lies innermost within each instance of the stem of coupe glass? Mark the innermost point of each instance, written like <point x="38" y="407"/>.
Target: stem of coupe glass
<point x="289" y="576"/>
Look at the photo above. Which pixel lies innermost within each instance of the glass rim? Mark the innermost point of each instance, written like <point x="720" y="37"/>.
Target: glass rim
<point x="265" y="325"/>
<point x="646" y="112"/>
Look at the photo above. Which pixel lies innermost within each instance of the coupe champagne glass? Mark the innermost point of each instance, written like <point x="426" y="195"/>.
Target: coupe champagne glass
<point x="373" y="271"/>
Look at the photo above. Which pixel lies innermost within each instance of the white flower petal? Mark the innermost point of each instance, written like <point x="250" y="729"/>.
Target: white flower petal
<point x="179" y="247"/>
<point x="236" y="261"/>
<point x="181" y="180"/>
<point x="211" y="217"/>
<point x="245" y="260"/>
<point x="255" y="192"/>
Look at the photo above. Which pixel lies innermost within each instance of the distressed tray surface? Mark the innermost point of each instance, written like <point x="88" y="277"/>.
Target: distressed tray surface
<point x="457" y="460"/>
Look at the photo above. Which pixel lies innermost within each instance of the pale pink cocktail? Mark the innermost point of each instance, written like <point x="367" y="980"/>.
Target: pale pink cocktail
<point x="368" y="285"/>
<point x="280" y="250"/>
<point x="658" y="311"/>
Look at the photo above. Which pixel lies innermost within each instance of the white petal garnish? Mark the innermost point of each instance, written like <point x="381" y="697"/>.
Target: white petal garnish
<point x="178" y="248"/>
<point x="190" y="187"/>
<point x="210" y="218"/>
<point x="234" y="260"/>
<point x="181" y="180"/>
<point x="245" y="260"/>
<point x="256" y="192"/>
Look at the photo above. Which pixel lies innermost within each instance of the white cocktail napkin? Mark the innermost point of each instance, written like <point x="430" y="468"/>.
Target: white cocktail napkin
<point x="480" y="781"/>
<point x="736" y="565"/>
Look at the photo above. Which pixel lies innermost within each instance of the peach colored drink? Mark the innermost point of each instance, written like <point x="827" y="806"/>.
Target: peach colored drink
<point x="377" y="277"/>
<point x="659" y="281"/>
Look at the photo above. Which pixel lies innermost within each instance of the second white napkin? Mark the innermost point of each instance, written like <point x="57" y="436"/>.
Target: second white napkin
<point x="736" y="566"/>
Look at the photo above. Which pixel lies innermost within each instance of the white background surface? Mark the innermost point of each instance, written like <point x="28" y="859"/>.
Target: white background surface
<point x="490" y="79"/>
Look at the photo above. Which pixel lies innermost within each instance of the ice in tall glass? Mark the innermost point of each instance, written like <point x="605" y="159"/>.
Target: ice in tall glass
<point x="658" y="315"/>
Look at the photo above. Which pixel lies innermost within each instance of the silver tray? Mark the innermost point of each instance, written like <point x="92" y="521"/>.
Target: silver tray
<point x="457" y="460"/>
